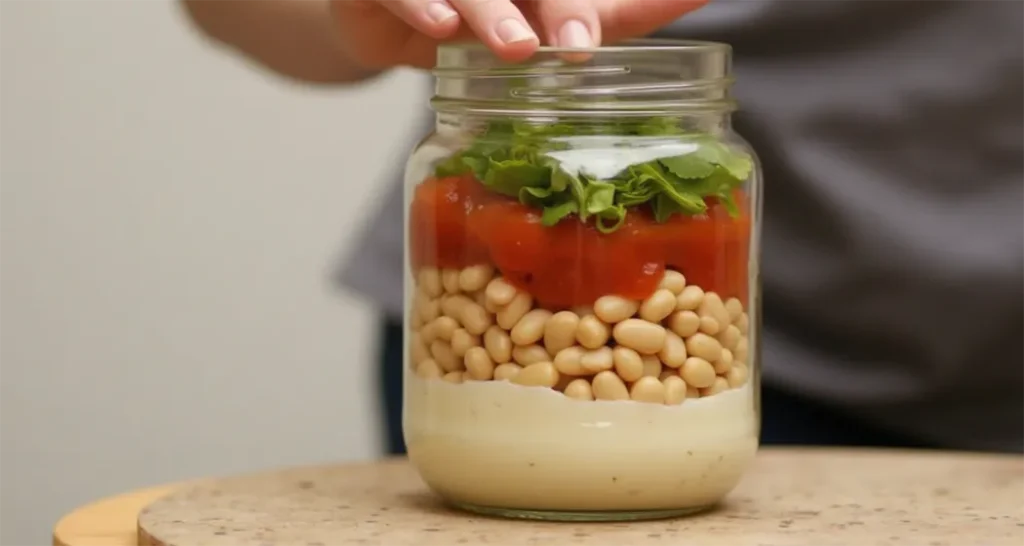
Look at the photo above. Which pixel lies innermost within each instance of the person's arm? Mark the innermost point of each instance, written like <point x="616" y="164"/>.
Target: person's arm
<point x="294" y="38"/>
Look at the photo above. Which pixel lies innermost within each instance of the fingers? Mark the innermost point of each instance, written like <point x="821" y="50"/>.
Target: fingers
<point x="434" y="18"/>
<point x="632" y="18"/>
<point x="570" y="23"/>
<point x="501" y="26"/>
<point x="420" y="50"/>
<point x="388" y="32"/>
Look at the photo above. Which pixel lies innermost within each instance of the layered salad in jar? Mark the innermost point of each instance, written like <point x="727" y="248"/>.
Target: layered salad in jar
<point x="581" y="324"/>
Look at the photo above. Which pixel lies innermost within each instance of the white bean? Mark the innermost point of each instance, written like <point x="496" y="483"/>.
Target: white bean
<point x="712" y="306"/>
<point x="709" y="325"/>
<point x="530" y="328"/>
<point x="724" y="362"/>
<point x="479" y="364"/>
<point x="428" y="309"/>
<point x="475" y="277"/>
<point x="487" y="304"/>
<point x="689" y="299"/>
<point x="675" y="390"/>
<point x="540" y="374"/>
<point x="608" y="386"/>
<point x="719" y="385"/>
<point x="524" y="355"/>
<point x="673" y="281"/>
<point x="450" y="280"/>
<point x="511" y="313"/>
<point x="475" y="319"/>
<point x="443" y="355"/>
<point x="648" y="389"/>
<point x="612" y="309"/>
<point x="579" y="389"/>
<point x="453" y="377"/>
<point x="428" y="333"/>
<point x="658" y="306"/>
<point x="704" y="346"/>
<point x="692" y="393"/>
<point x="684" y="323"/>
<point x="673" y="352"/>
<point x="591" y="332"/>
<point x="737" y="375"/>
<point x="452" y="305"/>
<point x="652" y="365"/>
<point x="498" y="344"/>
<point x="429" y="280"/>
<point x="641" y="336"/>
<point x="735" y="309"/>
<point x="597" y="360"/>
<point x="567" y="361"/>
<point x="463" y="341"/>
<point x="507" y="371"/>
<point x="743" y="323"/>
<point x="444" y="327"/>
<point x="499" y="292"/>
<point x="697" y="372"/>
<point x="560" y="331"/>
<point x="628" y="363"/>
<point x="730" y="337"/>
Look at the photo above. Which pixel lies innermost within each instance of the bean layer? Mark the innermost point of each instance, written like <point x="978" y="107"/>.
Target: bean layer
<point x="680" y="343"/>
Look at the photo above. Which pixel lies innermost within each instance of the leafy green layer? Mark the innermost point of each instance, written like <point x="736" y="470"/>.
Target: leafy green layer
<point x="598" y="171"/>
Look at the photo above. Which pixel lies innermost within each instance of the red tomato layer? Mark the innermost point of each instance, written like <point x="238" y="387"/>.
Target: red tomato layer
<point x="454" y="222"/>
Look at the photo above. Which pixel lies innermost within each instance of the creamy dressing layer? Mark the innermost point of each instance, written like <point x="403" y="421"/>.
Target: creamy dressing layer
<point x="496" y="444"/>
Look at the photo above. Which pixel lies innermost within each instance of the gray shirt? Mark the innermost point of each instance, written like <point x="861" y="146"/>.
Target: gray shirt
<point x="893" y="257"/>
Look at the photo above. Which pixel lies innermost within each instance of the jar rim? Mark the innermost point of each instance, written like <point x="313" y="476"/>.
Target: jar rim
<point x="633" y="45"/>
<point x="630" y="77"/>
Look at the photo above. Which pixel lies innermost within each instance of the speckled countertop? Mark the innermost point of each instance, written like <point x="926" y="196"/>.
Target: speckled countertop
<point x="806" y="496"/>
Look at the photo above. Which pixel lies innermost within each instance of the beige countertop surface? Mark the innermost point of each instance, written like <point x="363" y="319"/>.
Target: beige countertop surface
<point x="790" y="496"/>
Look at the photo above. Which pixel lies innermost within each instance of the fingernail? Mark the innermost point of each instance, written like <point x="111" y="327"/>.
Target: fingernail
<point x="439" y="12"/>
<point x="512" y="31"/>
<point x="575" y="34"/>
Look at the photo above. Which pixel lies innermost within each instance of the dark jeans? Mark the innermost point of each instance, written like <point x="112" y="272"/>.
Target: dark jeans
<point x="786" y="419"/>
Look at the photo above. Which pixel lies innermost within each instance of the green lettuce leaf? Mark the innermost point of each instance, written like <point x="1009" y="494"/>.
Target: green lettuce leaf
<point x="510" y="158"/>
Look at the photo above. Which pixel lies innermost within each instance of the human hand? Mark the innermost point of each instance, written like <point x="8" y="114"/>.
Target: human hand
<point x="379" y="34"/>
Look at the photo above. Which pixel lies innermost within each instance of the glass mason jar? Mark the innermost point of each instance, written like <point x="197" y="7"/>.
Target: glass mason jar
<point x="583" y="298"/>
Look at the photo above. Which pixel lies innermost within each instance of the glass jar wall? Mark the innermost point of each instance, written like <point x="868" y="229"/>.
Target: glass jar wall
<point x="583" y="297"/>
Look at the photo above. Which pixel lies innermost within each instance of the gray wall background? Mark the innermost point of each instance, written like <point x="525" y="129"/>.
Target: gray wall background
<point x="169" y="218"/>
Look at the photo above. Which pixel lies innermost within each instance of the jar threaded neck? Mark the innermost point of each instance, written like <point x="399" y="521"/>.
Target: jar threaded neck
<point x="637" y="78"/>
